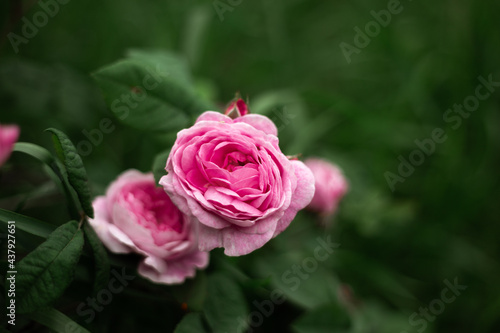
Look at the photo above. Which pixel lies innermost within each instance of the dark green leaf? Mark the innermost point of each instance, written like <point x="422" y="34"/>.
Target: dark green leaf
<point x="44" y="156"/>
<point x="56" y="321"/>
<point x="101" y="259"/>
<point x="164" y="62"/>
<point x="54" y="169"/>
<point x="307" y="289"/>
<point x="192" y="292"/>
<point x="150" y="92"/>
<point x="44" y="274"/>
<point x="374" y="317"/>
<point x="26" y="223"/>
<point x="190" y="323"/>
<point x="225" y="307"/>
<point x="159" y="165"/>
<point x="40" y="153"/>
<point x="382" y="278"/>
<point x="77" y="175"/>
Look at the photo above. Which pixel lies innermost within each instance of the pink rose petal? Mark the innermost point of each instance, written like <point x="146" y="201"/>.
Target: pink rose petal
<point x="302" y="195"/>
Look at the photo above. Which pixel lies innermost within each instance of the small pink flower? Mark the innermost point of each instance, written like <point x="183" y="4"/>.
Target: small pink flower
<point x="136" y="216"/>
<point x="8" y="137"/>
<point x="330" y="186"/>
<point x="231" y="175"/>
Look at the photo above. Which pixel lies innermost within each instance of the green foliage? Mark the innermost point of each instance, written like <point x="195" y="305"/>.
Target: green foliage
<point x="192" y="322"/>
<point x="100" y="257"/>
<point x="59" y="173"/>
<point x="225" y="307"/>
<point x="193" y="292"/>
<point x="76" y="173"/>
<point x="150" y="91"/>
<point x="26" y="223"/>
<point x="40" y="153"/>
<point x="57" y="321"/>
<point x="306" y="290"/>
<point x="44" y="274"/>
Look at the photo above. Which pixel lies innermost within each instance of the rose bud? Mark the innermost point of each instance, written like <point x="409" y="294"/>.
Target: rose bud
<point x="237" y="108"/>
<point x="232" y="177"/>
<point x="8" y="137"/>
<point x="136" y="216"/>
<point x="330" y="186"/>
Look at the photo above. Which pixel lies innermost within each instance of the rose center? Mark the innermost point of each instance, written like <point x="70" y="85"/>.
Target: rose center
<point x="235" y="161"/>
<point x="154" y="208"/>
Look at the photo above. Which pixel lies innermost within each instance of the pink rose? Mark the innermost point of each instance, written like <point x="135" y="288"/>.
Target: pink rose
<point x="330" y="186"/>
<point x="233" y="178"/>
<point x="136" y="216"/>
<point x="8" y="137"/>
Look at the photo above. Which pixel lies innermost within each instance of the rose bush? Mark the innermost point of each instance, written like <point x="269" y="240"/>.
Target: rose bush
<point x="231" y="175"/>
<point x="330" y="184"/>
<point x="8" y="137"/>
<point x="136" y="216"/>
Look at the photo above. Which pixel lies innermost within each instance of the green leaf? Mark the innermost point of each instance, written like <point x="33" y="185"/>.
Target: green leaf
<point x="45" y="157"/>
<point x="192" y="322"/>
<point x="225" y="307"/>
<point x="44" y="274"/>
<point x="306" y="289"/>
<point x="150" y="92"/>
<point x="26" y="223"/>
<point x="382" y="279"/>
<point x="55" y="170"/>
<point x="77" y="175"/>
<point x="375" y="317"/>
<point x="56" y="321"/>
<point x="159" y="165"/>
<point x="192" y="292"/>
<point x="164" y="62"/>
<point x="326" y="319"/>
<point x="101" y="259"/>
<point x="40" y="153"/>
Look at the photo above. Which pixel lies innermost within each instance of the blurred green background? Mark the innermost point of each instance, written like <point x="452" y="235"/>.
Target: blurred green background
<point x="396" y="247"/>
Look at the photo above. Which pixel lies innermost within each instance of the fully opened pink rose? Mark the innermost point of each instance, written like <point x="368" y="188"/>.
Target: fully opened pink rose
<point x="331" y="186"/>
<point x="8" y="137"/>
<point x="231" y="175"/>
<point x="136" y="216"/>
